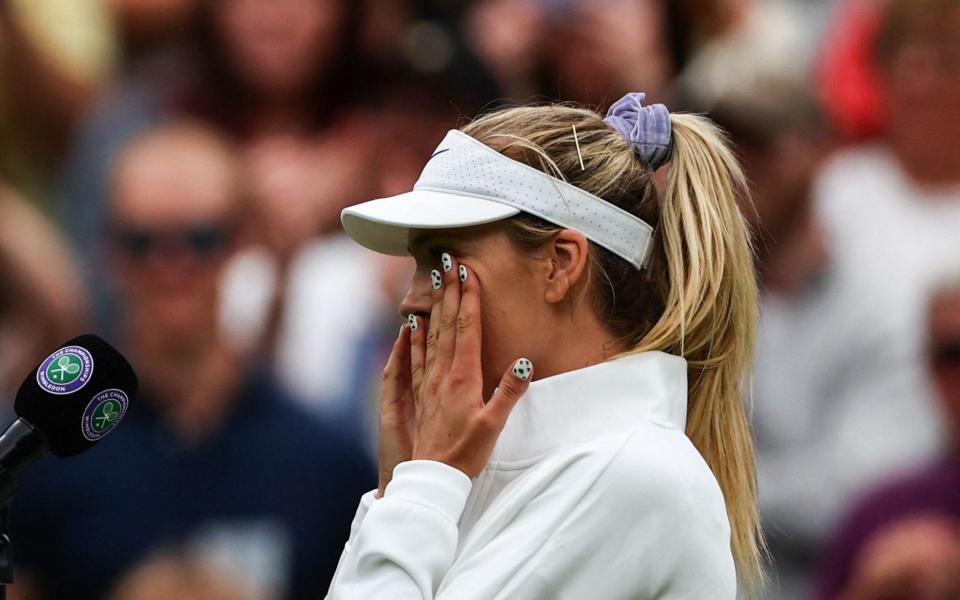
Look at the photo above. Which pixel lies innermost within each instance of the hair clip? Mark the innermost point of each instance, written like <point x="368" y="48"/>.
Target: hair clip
<point x="577" y="142"/>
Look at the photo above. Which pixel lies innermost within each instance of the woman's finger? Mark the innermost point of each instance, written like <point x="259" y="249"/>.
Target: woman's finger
<point x="447" y="326"/>
<point x="512" y="386"/>
<point x="418" y="355"/>
<point x="467" y="350"/>
<point x="436" y="311"/>
<point x="397" y="369"/>
<point x="396" y="410"/>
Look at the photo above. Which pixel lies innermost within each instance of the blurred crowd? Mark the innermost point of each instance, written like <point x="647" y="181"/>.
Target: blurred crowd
<point x="172" y="174"/>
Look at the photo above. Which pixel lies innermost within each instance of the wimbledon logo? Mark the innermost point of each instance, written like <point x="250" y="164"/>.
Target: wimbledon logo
<point x="66" y="370"/>
<point x="103" y="413"/>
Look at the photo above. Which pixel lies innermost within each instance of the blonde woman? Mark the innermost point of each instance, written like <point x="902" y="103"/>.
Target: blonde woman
<point x="561" y="414"/>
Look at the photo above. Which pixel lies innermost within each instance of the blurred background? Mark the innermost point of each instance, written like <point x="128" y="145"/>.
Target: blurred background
<point x="172" y="173"/>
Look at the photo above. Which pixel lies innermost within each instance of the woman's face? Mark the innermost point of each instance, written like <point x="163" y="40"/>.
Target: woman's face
<point x="512" y="299"/>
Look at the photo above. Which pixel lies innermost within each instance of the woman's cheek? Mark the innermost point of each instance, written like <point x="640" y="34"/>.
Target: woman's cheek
<point x="490" y="354"/>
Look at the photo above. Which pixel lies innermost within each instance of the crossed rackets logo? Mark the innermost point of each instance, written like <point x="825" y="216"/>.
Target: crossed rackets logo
<point x="67" y="368"/>
<point x="106" y="415"/>
<point x="103" y="413"/>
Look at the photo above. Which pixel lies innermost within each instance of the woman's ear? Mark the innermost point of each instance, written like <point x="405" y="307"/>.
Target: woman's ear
<point x="568" y="263"/>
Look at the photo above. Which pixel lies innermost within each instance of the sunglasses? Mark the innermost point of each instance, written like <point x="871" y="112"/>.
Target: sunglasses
<point x="203" y="240"/>
<point x="946" y="354"/>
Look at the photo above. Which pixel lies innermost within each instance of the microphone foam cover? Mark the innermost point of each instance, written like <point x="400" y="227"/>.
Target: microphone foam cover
<point x="77" y="395"/>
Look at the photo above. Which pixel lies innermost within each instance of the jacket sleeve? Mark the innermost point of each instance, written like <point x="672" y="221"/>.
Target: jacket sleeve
<point x="402" y="545"/>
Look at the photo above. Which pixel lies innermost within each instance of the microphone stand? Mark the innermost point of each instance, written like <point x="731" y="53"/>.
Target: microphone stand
<point x="20" y="447"/>
<point x="6" y="552"/>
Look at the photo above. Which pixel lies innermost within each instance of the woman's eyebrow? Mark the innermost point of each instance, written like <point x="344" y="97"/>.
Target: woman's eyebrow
<point x="419" y="240"/>
<point x="426" y="239"/>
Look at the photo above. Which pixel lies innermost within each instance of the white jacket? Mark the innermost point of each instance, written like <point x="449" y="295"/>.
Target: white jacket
<point x="593" y="491"/>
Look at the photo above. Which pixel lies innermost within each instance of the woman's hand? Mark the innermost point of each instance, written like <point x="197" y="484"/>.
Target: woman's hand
<point x="453" y="424"/>
<point x="396" y="410"/>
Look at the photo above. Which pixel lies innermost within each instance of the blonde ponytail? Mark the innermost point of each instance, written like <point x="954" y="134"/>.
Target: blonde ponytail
<point x="698" y="296"/>
<point x="709" y="317"/>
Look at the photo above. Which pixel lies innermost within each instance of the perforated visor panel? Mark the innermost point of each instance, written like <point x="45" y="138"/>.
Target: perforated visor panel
<point x="468" y="183"/>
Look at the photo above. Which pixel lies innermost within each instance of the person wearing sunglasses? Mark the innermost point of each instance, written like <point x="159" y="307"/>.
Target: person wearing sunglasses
<point x="902" y="539"/>
<point x="561" y="415"/>
<point x="216" y="465"/>
<point x="201" y="241"/>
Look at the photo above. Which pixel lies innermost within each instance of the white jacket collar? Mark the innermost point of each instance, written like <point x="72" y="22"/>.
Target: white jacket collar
<point x="606" y="398"/>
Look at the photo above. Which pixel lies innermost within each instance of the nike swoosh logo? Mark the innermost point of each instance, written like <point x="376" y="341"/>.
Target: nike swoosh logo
<point x="439" y="152"/>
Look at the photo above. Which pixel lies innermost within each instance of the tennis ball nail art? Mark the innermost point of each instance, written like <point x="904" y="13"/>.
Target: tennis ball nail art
<point x="523" y="368"/>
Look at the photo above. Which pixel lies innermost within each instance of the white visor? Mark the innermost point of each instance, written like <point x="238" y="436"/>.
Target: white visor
<point x="468" y="183"/>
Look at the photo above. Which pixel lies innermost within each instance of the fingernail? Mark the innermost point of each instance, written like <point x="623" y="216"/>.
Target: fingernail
<point x="523" y="368"/>
<point x="412" y="320"/>
<point x="436" y="279"/>
<point x="401" y="329"/>
<point x="463" y="273"/>
<point x="447" y="262"/>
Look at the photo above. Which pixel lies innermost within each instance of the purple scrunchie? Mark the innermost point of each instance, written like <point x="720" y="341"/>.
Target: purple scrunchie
<point x="646" y="128"/>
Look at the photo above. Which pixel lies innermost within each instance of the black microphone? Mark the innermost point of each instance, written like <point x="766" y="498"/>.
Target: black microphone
<point x="75" y="397"/>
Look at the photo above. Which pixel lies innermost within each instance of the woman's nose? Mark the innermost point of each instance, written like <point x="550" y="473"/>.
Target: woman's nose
<point x="417" y="298"/>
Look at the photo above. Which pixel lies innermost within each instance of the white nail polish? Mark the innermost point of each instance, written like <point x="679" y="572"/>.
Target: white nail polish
<point x="412" y="320"/>
<point x="463" y="273"/>
<point x="523" y="368"/>
<point x="436" y="279"/>
<point x="447" y="262"/>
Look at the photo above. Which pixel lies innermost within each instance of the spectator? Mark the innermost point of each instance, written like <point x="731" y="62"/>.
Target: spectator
<point x="214" y="462"/>
<point x="902" y="540"/>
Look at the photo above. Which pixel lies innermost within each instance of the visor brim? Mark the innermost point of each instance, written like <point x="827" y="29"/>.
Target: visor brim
<point x="384" y="225"/>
